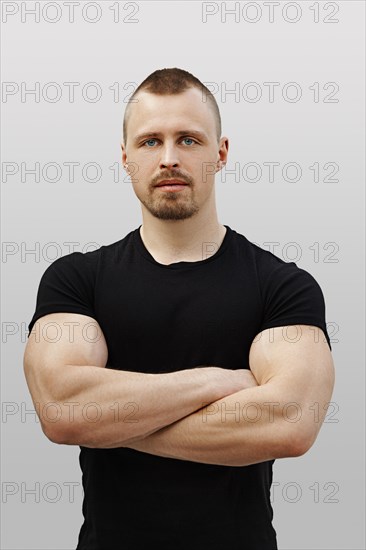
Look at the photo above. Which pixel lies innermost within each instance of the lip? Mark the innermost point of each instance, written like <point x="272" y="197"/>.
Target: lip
<point x="171" y="182"/>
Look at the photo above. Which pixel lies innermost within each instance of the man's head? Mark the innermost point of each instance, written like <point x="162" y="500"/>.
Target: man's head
<point x="171" y="82"/>
<point x="171" y="129"/>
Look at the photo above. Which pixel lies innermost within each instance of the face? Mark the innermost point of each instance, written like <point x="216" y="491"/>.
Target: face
<point x="173" y="136"/>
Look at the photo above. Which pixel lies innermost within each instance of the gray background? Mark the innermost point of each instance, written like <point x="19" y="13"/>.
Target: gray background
<point x="318" y="498"/>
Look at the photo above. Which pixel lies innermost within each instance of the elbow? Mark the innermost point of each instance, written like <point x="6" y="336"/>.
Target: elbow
<point x="56" y="435"/>
<point x="82" y="436"/>
<point x="60" y="432"/>
<point x="298" y="449"/>
<point x="298" y="442"/>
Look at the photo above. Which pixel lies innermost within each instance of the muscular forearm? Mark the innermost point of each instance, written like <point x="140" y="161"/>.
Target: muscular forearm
<point x="114" y="407"/>
<point x="242" y="429"/>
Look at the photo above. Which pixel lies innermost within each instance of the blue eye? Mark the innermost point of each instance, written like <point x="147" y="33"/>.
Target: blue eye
<point x="152" y="139"/>
<point x="190" y="139"/>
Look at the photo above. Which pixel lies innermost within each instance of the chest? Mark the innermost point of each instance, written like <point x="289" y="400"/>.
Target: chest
<point x="168" y="320"/>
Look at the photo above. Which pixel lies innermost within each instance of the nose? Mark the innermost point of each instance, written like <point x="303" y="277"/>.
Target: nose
<point x="169" y="158"/>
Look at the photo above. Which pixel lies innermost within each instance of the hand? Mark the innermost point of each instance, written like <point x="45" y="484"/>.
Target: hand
<point x="249" y="379"/>
<point x="228" y="381"/>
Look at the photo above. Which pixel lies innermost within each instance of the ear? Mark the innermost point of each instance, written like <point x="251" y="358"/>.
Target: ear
<point x="222" y="153"/>
<point x="124" y="154"/>
<point x="223" y="149"/>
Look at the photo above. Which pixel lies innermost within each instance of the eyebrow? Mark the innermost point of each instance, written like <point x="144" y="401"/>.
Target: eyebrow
<point x="196" y="133"/>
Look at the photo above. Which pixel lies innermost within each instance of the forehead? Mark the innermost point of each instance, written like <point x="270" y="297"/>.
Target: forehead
<point x="157" y="113"/>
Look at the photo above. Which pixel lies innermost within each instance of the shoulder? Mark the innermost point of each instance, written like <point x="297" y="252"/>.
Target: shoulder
<point x="273" y="273"/>
<point x="266" y="262"/>
<point x="90" y="261"/>
<point x="74" y="263"/>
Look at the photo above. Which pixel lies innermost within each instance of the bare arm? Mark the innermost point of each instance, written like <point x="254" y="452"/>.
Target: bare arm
<point x="92" y="406"/>
<point x="265" y="422"/>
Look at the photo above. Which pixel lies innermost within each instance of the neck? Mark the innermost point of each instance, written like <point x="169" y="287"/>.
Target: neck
<point x="192" y="239"/>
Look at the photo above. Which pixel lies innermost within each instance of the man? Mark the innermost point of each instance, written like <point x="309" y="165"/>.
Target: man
<point x="184" y="358"/>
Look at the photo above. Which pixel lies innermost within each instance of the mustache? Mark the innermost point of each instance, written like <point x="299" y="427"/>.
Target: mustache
<point x="172" y="175"/>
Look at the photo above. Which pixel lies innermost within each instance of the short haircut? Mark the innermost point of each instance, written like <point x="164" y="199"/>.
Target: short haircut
<point x="170" y="82"/>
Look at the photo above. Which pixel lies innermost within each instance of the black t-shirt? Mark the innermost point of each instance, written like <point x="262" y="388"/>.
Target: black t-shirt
<point x="161" y="318"/>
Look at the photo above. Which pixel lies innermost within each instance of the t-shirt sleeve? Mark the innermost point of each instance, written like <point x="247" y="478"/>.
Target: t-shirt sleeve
<point x="291" y="296"/>
<point x="66" y="286"/>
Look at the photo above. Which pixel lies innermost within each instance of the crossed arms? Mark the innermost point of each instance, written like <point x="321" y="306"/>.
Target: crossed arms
<point x="275" y="417"/>
<point x="199" y="414"/>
